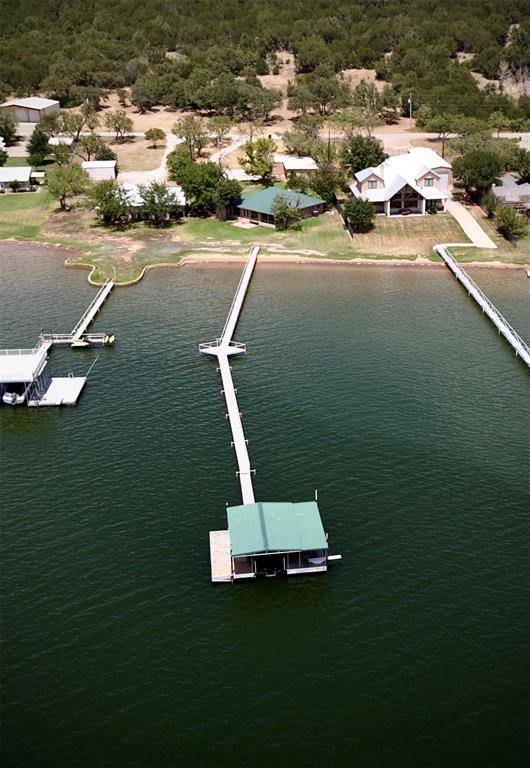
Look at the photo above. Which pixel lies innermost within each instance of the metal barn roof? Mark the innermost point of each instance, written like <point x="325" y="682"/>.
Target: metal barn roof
<point x="275" y="527"/>
<point x="263" y="201"/>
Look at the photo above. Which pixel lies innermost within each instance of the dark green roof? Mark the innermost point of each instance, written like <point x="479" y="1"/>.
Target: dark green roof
<point x="275" y="527"/>
<point x="263" y="201"/>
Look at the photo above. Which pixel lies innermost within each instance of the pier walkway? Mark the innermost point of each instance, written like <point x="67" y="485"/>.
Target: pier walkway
<point x="78" y="336"/>
<point x="92" y="310"/>
<point x="521" y="348"/>
<point x="223" y="348"/>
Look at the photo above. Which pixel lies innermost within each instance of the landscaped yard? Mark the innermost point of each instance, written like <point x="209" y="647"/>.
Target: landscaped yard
<point x="505" y="251"/>
<point x="410" y="235"/>
<point x="16" y="162"/>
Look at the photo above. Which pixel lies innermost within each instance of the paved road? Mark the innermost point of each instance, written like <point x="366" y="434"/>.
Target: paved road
<point x="470" y="225"/>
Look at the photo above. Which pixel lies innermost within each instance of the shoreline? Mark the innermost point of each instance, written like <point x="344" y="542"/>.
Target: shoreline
<point x="206" y="258"/>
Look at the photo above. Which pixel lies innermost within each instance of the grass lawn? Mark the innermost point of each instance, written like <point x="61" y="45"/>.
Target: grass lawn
<point x="15" y="162"/>
<point x="505" y="251"/>
<point x="410" y="235"/>
<point x="22" y="215"/>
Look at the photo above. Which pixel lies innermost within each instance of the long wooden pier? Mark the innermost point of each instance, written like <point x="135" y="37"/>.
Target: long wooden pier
<point x="78" y="337"/>
<point x="521" y="348"/>
<point x="223" y="348"/>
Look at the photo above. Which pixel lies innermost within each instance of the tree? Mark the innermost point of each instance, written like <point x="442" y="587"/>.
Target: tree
<point x="119" y="122"/>
<point x="360" y="152"/>
<point x="511" y="224"/>
<point x="285" y="213"/>
<point x="191" y="130"/>
<point x="62" y="154"/>
<point x="227" y="193"/>
<point x="360" y="214"/>
<point x="8" y="127"/>
<point x="522" y="165"/>
<point x="258" y="158"/>
<point x="71" y="123"/>
<point x="88" y="146"/>
<point x="145" y="93"/>
<point x="109" y="201"/>
<point x="442" y="125"/>
<point x="327" y="181"/>
<point x="3" y="157"/>
<point x="65" y="181"/>
<point x="158" y="203"/>
<point x="104" y="152"/>
<point x="219" y="127"/>
<point x="37" y="147"/>
<point x="199" y="181"/>
<point x="478" y="169"/>
<point x="489" y="201"/>
<point x="498" y="121"/>
<point x="155" y="135"/>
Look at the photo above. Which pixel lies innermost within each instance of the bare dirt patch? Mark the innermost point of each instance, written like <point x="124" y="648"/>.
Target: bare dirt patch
<point x="354" y="76"/>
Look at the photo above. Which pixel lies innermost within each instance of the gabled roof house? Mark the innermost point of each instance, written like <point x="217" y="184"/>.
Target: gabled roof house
<point x="408" y="183"/>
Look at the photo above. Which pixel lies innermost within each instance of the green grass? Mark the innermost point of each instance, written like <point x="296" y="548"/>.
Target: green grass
<point x="16" y="162"/>
<point x="511" y="253"/>
<point x="23" y="214"/>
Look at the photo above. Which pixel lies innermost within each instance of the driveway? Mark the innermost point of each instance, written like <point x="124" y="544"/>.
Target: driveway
<point x="470" y="225"/>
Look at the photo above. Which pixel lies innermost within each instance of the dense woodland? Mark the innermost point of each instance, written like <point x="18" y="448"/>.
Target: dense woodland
<point x="77" y="49"/>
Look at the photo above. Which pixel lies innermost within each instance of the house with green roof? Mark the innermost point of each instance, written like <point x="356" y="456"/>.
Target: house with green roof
<point x="272" y="538"/>
<point x="258" y="207"/>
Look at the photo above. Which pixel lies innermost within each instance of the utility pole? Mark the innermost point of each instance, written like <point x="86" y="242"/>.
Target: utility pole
<point x="410" y="110"/>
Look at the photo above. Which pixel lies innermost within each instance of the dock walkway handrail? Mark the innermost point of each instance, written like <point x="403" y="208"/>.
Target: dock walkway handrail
<point x="89" y="313"/>
<point x="222" y="348"/>
<point x="503" y="326"/>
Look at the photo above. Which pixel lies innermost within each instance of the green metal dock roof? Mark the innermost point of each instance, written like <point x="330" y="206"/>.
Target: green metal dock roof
<point x="263" y="201"/>
<point x="270" y="526"/>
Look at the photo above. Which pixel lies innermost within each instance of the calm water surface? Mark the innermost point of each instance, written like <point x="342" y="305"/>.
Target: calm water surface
<point x="385" y="389"/>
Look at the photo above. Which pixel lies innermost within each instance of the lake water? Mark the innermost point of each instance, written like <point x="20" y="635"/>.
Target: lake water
<point x="388" y="391"/>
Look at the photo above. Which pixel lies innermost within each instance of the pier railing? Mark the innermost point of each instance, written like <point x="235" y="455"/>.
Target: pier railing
<point x="503" y="326"/>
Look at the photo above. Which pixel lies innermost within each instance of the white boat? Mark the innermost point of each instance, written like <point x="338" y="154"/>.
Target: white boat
<point x="11" y="398"/>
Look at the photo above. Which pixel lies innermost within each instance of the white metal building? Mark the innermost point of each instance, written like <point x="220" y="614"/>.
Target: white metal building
<point x="32" y="109"/>
<point x="99" y="170"/>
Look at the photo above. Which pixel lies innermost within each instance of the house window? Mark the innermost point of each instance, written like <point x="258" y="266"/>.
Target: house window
<point x="429" y="183"/>
<point x="372" y="185"/>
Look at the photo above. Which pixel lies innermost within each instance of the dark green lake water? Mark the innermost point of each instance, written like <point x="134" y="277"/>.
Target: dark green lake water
<point x="388" y="391"/>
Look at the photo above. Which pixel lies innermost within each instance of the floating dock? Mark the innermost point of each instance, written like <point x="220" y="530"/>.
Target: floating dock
<point x="264" y="538"/>
<point x="22" y="375"/>
<point x="521" y="348"/>
<point x="78" y="337"/>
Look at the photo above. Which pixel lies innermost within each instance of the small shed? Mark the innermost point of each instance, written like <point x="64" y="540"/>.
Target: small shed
<point x="276" y="538"/>
<point x="258" y="206"/>
<point x="18" y="173"/>
<point x="134" y="198"/>
<point x="99" y="170"/>
<point x="31" y="109"/>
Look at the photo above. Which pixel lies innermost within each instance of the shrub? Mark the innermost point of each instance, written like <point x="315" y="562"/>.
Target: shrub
<point x="511" y="224"/>
<point x="360" y="214"/>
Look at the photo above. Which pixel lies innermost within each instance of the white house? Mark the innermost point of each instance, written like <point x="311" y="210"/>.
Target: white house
<point x="410" y="183"/>
<point x="20" y="173"/>
<point x="285" y="165"/>
<point x="99" y="170"/>
<point x="32" y="109"/>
